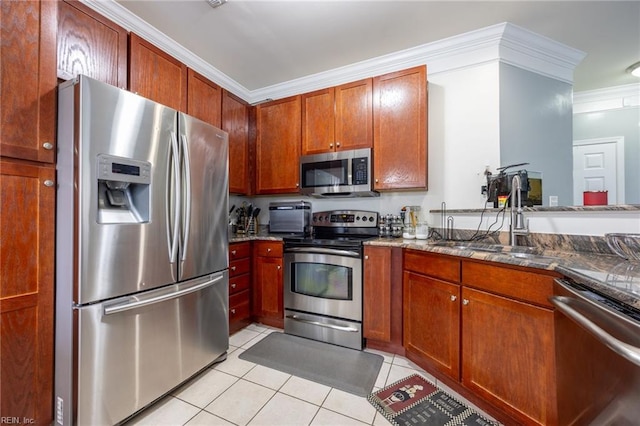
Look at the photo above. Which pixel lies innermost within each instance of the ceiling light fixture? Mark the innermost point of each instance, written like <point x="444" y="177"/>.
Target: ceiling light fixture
<point x="634" y="69"/>
<point x="216" y="3"/>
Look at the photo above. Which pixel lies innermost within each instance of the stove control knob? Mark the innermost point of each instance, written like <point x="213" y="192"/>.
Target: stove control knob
<point x="358" y="218"/>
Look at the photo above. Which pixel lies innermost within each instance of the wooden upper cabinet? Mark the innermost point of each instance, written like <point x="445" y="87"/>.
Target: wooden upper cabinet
<point x="156" y="75"/>
<point x="278" y="146"/>
<point x="235" y="121"/>
<point x="90" y="44"/>
<point x="318" y="128"/>
<point x="28" y="80"/>
<point x="400" y="130"/>
<point x="338" y="118"/>
<point x="26" y="288"/>
<point x="204" y="99"/>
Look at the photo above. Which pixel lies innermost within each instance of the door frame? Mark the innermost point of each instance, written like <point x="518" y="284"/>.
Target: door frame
<point x="620" y="174"/>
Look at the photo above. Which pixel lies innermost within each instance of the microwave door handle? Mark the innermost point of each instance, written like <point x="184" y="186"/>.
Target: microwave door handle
<point x="186" y="160"/>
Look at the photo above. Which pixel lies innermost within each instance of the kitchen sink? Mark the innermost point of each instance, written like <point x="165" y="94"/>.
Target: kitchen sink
<point x="461" y="245"/>
<point x="531" y="256"/>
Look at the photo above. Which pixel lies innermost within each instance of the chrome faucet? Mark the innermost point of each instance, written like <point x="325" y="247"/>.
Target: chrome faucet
<point x="517" y="225"/>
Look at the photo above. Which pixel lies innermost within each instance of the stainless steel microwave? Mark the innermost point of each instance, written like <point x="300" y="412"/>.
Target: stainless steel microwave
<point x="337" y="174"/>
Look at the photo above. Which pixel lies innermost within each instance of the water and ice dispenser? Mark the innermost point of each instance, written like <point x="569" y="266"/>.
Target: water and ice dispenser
<point x="123" y="189"/>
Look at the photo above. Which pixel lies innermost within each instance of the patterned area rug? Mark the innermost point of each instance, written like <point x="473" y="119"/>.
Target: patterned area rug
<point x="416" y="401"/>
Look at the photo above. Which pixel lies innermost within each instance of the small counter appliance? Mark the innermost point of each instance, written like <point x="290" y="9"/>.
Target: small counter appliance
<point x="290" y="217"/>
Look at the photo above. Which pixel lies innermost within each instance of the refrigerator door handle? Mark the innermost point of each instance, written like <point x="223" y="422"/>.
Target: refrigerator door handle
<point x="177" y="188"/>
<point x="186" y="160"/>
<point x="136" y="302"/>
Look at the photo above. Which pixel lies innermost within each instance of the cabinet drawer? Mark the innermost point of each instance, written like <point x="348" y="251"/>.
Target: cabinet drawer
<point x="239" y="250"/>
<point x="435" y="265"/>
<point x="239" y="306"/>
<point x="239" y="267"/>
<point x="523" y="285"/>
<point x="268" y="248"/>
<point x="239" y="283"/>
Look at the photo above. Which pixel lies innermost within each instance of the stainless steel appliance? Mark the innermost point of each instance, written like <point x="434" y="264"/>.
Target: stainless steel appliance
<point x="337" y="174"/>
<point x="290" y="217"/>
<point x="598" y="356"/>
<point x="323" y="278"/>
<point x="141" y="251"/>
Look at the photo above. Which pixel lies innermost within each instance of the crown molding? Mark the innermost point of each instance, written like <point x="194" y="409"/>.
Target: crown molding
<point x="130" y="22"/>
<point x="503" y="42"/>
<point x="609" y="98"/>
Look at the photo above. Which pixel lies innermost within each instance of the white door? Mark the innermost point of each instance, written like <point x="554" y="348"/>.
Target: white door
<point x="598" y="165"/>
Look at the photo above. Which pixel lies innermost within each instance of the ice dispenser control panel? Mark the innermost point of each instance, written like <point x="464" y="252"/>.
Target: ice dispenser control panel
<point x="123" y="190"/>
<point x="118" y="169"/>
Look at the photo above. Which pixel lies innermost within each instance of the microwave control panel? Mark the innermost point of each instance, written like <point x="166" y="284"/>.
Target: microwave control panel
<point x="360" y="171"/>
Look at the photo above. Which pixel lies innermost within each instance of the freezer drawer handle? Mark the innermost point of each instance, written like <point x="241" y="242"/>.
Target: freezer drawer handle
<point x="321" y="324"/>
<point x="152" y="300"/>
<point x="569" y="305"/>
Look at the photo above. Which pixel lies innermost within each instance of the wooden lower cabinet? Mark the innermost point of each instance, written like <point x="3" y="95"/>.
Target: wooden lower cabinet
<point x="27" y="209"/>
<point x="239" y="286"/>
<point x="486" y="330"/>
<point x="432" y="322"/>
<point x="508" y="355"/>
<point x="382" y="298"/>
<point x="267" y="306"/>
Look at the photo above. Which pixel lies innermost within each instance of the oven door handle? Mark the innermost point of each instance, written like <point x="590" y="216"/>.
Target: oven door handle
<point x="322" y="250"/>
<point x="321" y="324"/>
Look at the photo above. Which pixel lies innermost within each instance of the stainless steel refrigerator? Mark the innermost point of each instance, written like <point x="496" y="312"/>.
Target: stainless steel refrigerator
<point x="141" y="251"/>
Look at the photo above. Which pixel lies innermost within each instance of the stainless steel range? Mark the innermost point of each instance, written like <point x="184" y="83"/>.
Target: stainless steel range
<point x="323" y="277"/>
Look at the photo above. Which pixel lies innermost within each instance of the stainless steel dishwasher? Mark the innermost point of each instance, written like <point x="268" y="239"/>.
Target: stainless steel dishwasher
<point x="598" y="357"/>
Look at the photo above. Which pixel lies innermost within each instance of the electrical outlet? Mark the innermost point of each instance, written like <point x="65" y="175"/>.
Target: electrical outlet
<point x="483" y="189"/>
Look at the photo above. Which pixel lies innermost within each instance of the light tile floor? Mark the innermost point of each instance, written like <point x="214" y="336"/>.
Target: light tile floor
<point x="238" y="392"/>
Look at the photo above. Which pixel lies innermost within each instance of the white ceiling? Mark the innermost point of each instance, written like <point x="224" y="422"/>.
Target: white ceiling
<point x="259" y="43"/>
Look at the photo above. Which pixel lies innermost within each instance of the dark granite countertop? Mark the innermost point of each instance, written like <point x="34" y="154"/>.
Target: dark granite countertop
<point x="607" y="274"/>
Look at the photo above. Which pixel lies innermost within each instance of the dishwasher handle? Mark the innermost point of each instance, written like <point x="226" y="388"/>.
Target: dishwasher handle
<point x="579" y="307"/>
<point x="137" y="302"/>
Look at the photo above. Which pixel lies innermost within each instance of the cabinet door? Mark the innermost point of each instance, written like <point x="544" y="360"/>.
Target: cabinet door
<point x="354" y="115"/>
<point x="278" y="146"/>
<point x="318" y="132"/>
<point x="28" y="80"/>
<point x="204" y="99"/>
<point x="26" y="290"/>
<point x="156" y="75"/>
<point x="377" y="293"/>
<point x="508" y="355"/>
<point x="235" y="121"/>
<point x="268" y="280"/>
<point x="90" y="44"/>
<point x="432" y="322"/>
<point x="400" y="130"/>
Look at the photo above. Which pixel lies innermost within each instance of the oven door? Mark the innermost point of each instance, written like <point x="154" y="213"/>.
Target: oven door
<point x="323" y="281"/>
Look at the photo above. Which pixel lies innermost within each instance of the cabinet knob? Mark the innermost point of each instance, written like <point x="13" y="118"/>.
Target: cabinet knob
<point x="465" y="301"/>
<point x="330" y="145"/>
<point x="279" y="267"/>
<point x="48" y="146"/>
<point x="453" y="298"/>
<point x="233" y="311"/>
<point x="376" y="180"/>
<point x="297" y="185"/>
<point x="338" y="144"/>
<point x="233" y="268"/>
<point x="233" y="252"/>
<point x="268" y="250"/>
<point x="366" y="257"/>
<point x="48" y="182"/>
<point x="233" y="285"/>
